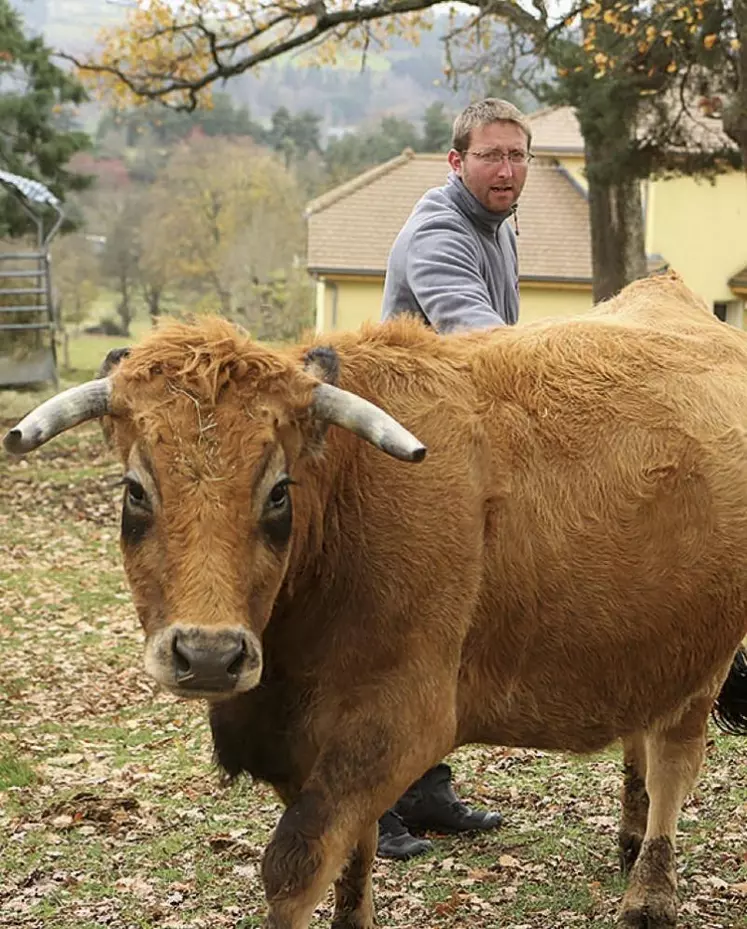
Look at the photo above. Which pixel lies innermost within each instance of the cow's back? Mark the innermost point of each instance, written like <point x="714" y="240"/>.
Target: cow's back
<point x="579" y="518"/>
<point x="616" y="540"/>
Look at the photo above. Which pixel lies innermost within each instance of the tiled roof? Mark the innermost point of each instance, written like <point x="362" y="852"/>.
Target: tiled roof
<point x="556" y="129"/>
<point x="351" y="228"/>
<point x="738" y="281"/>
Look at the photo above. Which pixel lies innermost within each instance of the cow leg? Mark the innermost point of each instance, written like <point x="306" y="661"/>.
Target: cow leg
<point x="635" y="802"/>
<point x="318" y="841"/>
<point x="354" y="907"/>
<point x="300" y="862"/>
<point x="333" y="817"/>
<point x="674" y="757"/>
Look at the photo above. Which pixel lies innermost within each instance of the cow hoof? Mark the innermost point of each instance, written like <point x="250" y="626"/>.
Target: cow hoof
<point x="352" y="922"/>
<point x="629" y="846"/>
<point x="656" y="913"/>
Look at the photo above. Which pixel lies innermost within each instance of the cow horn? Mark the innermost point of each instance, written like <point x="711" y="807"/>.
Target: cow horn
<point x="61" y="412"/>
<point x="348" y="410"/>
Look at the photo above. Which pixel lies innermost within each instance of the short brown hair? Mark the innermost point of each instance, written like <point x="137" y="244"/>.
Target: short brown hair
<point x="483" y="113"/>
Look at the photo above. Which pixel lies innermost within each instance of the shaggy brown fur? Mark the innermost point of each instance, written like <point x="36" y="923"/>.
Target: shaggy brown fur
<point x="567" y="567"/>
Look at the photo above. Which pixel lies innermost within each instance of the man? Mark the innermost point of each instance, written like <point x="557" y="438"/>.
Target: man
<point x="454" y="263"/>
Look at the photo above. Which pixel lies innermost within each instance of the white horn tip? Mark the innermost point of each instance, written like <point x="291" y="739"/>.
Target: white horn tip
<point x="60" y="412"/>
<point x="15" y="444"/>
<point x="415" y="453"/>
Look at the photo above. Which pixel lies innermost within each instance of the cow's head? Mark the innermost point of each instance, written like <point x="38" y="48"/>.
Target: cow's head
<point x="210" y="428"/>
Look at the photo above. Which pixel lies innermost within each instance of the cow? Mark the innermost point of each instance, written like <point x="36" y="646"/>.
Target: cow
<point x="368" y="549"/>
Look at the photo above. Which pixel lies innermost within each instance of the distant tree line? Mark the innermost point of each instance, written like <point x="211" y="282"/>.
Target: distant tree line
<point x="145" y="134"/>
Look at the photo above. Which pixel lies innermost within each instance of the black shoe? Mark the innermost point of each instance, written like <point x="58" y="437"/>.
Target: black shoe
<point x="431" y="805"/>
<point x="396" y="842"/>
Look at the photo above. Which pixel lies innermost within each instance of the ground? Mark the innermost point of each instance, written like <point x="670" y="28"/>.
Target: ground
<point x="113" y="815"/>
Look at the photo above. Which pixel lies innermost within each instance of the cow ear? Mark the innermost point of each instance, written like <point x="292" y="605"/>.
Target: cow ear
<point x="109" y="363"/>
<point x="323" y="363"/>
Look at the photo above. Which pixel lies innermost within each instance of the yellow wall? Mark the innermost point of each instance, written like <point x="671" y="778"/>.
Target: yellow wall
<point x="574" y="165"/>
<point x="359" y="300"/>
<point x="537" y="302"/>
<point x="347" y="303"/>
<point x="701" y="230"/>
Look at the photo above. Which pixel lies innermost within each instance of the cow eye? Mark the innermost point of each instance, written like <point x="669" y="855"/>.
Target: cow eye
<point x="279" y="496"/>
<point x="277" y="518"/>
<point x="136" y="494"/>
<point x="137" y="512"/>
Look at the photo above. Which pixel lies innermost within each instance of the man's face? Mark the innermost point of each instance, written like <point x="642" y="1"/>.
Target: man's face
<point x="496" y="182"/>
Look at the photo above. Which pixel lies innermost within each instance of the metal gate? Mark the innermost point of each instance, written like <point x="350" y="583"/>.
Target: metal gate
<point x="28" y="353"/>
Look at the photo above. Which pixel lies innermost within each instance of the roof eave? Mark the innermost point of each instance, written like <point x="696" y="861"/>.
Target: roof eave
<point x="328" y="271"/>
<point x="554" y="279"/>
<point x="738" y="282"/>
<point x="557" y="151"/>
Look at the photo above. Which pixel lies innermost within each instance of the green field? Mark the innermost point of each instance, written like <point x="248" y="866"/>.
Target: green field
<point x="86" y="352"/>
<point x="112" y="815"/>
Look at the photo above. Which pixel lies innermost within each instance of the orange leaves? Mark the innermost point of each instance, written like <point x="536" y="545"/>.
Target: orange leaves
<point x="155" y="44"/>
<point x="177" y="49"/>
<point x="664" y="38"/>
<point x="601" y="62"/>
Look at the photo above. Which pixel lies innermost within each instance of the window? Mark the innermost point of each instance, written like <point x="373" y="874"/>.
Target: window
<point x="731" y="312"/>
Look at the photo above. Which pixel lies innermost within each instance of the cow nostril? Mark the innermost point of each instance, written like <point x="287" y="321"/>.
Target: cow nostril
<point x="234" y="668"/>
<point x="181" y="661"/>
<point x="207" y="660"/>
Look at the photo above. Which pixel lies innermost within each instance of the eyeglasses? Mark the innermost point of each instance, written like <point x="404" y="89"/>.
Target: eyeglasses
<point x="495" y="157"/>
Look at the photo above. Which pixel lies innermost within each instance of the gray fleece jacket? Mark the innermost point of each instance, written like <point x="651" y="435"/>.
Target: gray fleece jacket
<point x="454" y="263"/>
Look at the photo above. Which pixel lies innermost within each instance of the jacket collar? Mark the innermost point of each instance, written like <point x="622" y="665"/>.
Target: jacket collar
<point x="468" y="204"/>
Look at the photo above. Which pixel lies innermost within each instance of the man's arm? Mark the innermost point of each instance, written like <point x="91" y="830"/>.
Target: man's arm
<point x="443" y="274"/>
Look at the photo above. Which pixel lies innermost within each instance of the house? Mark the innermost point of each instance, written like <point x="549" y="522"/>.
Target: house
<point x="693" y="226"/>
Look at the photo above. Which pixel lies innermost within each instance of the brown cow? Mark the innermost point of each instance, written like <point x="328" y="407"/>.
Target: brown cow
<point x="567" y="567"/>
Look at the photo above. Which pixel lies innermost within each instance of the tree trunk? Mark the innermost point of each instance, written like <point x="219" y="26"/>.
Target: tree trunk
<point x="123" y="310"/>
<point x="618" y="250"/>
<point x="152" y="296"/>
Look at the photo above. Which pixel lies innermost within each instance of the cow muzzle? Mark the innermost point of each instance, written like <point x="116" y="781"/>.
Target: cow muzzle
<point x="193" y="661"/>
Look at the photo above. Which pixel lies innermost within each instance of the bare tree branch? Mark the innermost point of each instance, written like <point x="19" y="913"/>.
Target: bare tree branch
<point x="160" y="86"/>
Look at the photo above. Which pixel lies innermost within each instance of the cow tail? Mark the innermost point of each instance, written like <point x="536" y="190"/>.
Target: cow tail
<point x="730" y="709"/>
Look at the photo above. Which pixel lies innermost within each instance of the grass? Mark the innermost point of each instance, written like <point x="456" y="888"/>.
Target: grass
<point x="88" y="351"/>
<point x="15" y="772"/>
<point x="85" y="355"/>
<point x="112" y="814"/>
